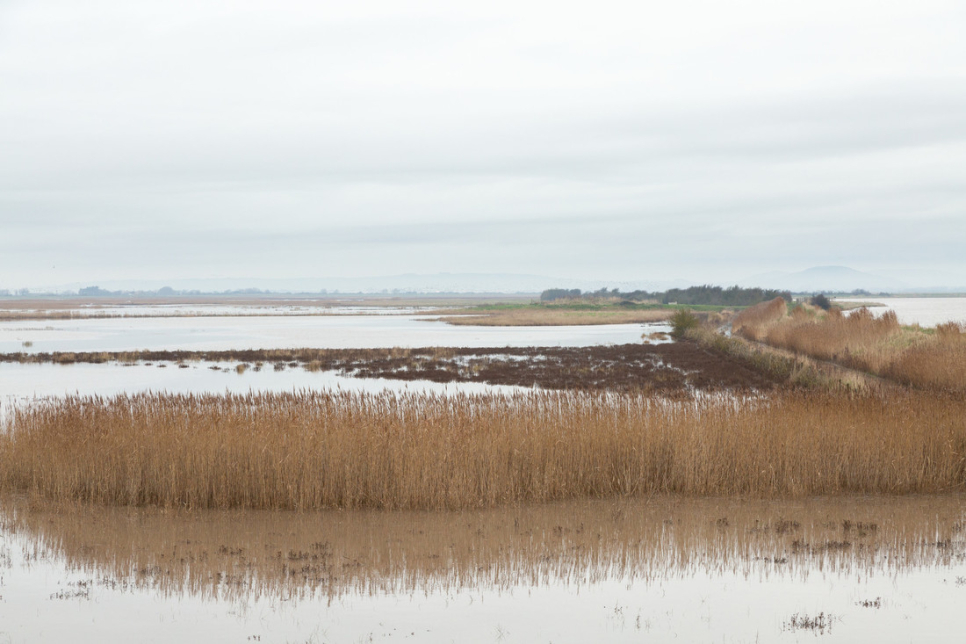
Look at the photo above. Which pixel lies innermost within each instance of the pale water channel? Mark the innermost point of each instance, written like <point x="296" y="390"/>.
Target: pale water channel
<point x="289" y="332"/>
<point x="924" y="311"/>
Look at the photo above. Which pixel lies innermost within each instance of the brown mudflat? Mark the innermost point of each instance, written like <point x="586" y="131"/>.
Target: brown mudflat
<point x="664" y="368"/>
<point x="673" y="367"/>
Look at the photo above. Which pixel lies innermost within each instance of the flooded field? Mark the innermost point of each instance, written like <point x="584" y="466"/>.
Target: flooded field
<point x="884" y="569"/>
<point x="19" y="382"/>
<point x="665" y="368"/>
<point x="648" y="568"/>
<point x="56" y="310"/>
<point x="286" y="332"/>
<point x="23" y="383"/>
<point x="924" y="311"/>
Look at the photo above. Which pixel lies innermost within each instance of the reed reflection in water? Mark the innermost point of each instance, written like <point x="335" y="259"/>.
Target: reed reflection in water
<point x="244" y="555"/>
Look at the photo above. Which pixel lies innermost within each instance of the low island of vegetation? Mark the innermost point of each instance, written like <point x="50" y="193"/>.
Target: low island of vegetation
<point x="558" y="307"/>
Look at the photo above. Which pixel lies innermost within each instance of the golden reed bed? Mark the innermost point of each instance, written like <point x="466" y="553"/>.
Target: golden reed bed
<point x="316" y="450"/>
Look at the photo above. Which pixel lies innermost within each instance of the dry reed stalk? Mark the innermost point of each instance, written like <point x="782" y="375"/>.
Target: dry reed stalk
<point x="938" y="363"/>
<point x="859" y="340"/>
<point x="754" y="321"/>
<point x="345" y="450"/>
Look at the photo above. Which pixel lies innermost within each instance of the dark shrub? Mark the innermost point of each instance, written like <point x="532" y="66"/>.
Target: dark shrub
<point x="821" y="302"/>
<point x="682" y="321"/>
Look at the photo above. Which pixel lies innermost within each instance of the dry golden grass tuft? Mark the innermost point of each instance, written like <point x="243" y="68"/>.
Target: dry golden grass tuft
<point x="754" y="321"/>
<point x="859" y="340"/>
<point x="556" y="317"/>
<point x="936" y="363"/>
<point x="340" y="450"/>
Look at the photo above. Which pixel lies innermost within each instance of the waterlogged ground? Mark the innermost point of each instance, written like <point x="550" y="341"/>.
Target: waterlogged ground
<point x="22" y="384"/>
<point x="657" y="570"/>
<point x="663" y="369"/>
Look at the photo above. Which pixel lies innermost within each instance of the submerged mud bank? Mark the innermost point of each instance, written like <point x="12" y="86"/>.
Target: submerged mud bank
<point x="663" y="368"/>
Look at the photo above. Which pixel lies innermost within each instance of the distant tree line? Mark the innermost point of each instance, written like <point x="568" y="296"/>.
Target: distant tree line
<point x="733" y="296"/>
<point x="694" y="295"/>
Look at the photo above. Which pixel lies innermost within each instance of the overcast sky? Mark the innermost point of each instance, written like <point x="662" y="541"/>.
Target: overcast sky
<point x="611" y="140"/>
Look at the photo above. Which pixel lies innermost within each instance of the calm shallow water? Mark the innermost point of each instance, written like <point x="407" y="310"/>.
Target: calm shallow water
<point x="290" y="332"/>
<point x="23" y="383"/>
<point x="173" y="310"/>
<point x="20" y="383"/>
<point x="924" y="311"/>
<point x="664" y="569"/>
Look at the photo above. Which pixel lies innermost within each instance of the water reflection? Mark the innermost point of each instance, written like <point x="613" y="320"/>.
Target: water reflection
<point x="248" y="555"/>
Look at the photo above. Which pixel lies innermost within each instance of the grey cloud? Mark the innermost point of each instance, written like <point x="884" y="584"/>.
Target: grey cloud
<point x="237" y="141"/>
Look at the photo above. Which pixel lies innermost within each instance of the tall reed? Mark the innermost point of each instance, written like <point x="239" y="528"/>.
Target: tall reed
<point x="936" y="363"/>
<point x="346" y="450"/>
<point x="755" y="320"/>
<point x="859" y="340"/>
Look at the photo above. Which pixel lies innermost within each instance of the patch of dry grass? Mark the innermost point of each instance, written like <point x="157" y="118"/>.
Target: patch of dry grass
<point x="549" y="316"/>
<point x="938" y="362"/>
<point x="340" y="450"/>
<point x="755" y="320"/>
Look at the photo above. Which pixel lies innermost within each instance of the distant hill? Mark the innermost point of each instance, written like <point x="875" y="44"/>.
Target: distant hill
<point x="826" y="279"/>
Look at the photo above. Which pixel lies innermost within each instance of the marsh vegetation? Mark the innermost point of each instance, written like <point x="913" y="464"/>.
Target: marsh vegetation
<point x="705" y="295"/>
<point x="555" y="315"/>
<point x="634" y="477"/>
<point x="328" y="450"/>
